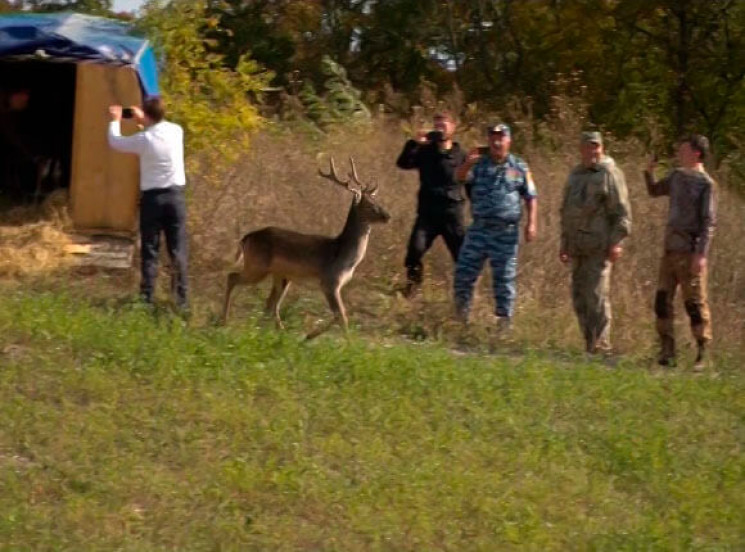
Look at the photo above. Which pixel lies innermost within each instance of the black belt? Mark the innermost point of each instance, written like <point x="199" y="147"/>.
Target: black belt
<point x="158" y="191"/>
<point x="494" y="223"/>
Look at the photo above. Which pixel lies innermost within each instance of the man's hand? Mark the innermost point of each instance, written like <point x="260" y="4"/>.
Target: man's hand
<point x="421" y="137"/>
<point x="115" y="111"/>
<point x="698" y="263"/>
<point x="530" y="232"/>
<point x="564" y="257"/>
<point x="461" y="173"/>
<point x="652" y="164"/>
<point x="473" y="156"/>
<point x="138" y="113"/>
<point x="615" y="252"/>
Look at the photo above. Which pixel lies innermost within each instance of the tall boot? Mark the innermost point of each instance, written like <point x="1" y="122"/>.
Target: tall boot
<point x="667" y="351"/>
<point x="701" y="356"/>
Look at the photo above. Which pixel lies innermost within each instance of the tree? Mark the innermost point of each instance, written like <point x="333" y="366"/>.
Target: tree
<point x="93" y="7"/>
<point x="211" y="100"/>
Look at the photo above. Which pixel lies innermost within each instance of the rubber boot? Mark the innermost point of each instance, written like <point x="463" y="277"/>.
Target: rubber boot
<point x="667" y="351"/>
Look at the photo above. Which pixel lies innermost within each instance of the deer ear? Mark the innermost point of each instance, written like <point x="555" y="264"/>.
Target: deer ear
<point x="373" y="189"/>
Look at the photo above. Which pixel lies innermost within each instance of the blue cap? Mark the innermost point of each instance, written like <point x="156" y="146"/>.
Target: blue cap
<point x="500" y="128"/>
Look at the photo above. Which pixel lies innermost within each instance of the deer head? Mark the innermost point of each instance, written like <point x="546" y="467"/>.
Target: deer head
<point x="370" y="211"/>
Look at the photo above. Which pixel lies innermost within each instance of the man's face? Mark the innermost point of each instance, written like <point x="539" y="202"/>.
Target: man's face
<point x="499" y="142"/>
<point x="591" y="153"/>
<point x="18" y="101"/>
<point x="444" y="125"/>
<point x="687" y="156"/>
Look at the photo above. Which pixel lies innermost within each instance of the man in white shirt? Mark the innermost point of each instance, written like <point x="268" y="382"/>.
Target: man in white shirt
<point x="160" y="147"/>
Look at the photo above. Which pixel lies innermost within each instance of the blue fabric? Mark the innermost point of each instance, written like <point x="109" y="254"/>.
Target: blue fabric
<point x="499" y="244"/>
<point x="80" y="37"/>
<point x="496" y="188"/>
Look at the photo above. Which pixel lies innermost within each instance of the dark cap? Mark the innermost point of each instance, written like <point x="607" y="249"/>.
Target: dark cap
<point x="592" y="136"/>
<point x="699" y="143"/>
<point x="500" y="128"/>
<point x="444" y="114"/>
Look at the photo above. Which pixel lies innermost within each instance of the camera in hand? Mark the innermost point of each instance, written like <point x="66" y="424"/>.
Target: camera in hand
<point x="128" y="113"/>
<point x="435" y="136"/>
<point x="483" y="150"/>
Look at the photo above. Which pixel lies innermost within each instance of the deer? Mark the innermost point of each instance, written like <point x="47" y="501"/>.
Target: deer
<point x="290" y="256"/>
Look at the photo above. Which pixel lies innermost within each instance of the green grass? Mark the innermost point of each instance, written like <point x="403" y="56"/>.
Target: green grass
<point x="124" y="431"/>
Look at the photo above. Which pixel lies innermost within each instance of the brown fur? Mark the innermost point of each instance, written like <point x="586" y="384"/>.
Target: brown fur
<point x="291" y="256"/>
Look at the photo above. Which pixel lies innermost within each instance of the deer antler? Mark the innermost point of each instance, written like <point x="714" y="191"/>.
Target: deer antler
<point x="331" y="175"/>
<point x="366" y="188"/>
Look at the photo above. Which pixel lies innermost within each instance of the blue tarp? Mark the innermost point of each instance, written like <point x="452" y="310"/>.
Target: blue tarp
<point x="74" y="36"/>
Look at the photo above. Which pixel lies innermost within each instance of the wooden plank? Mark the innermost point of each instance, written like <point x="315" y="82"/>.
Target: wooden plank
<point x="101" y="251"/>
<point x="104" y="184"/>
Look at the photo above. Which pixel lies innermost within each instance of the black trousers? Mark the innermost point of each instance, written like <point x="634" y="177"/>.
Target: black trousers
<point x="164" y="211"/>
<point x="450" y="224"/>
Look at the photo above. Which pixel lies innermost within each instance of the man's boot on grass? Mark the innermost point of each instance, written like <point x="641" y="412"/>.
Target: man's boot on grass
<point x="702" y="357"/>
<point x="410" y="289"/>
<point x="667" y="352"/>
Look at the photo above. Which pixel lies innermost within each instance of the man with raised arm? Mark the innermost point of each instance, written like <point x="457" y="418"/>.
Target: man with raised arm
<point x="160" y="147"/>
<point x="441" y="201"/>
<point x="595" y="219"/>
<point x="498" y="182"/>
<point x="690" y="227"/>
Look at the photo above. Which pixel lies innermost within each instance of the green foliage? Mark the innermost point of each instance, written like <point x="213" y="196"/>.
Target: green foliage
<point x="340" y="103"/>
<point x="93" y="7"/>
<point x="132" y="432"/>
<point x="211" y="100"/>
<point x="7" y="6"/>
<point x="648" y="69"/>
<point x="343" y="99"/>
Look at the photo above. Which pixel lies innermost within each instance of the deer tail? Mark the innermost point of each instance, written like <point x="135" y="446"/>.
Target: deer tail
<point x="239" y="252"/>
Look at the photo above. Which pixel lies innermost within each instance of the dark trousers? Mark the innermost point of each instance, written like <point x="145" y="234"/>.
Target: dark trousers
<point x="450" y="225"/>
<point x="164" y="211"/>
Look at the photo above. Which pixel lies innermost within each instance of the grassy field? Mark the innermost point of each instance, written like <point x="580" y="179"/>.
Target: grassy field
<point x="127" y="431"/>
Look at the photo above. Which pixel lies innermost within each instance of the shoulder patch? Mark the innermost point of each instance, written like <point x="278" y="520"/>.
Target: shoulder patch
<point x="530" y="183"/>
<point x="520" y="165"/>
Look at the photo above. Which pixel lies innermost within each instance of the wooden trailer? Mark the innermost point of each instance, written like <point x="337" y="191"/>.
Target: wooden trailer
<point x="73" y="67"/>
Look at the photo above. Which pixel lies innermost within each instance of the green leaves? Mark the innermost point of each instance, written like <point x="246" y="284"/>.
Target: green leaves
<point x="211" y="100"/>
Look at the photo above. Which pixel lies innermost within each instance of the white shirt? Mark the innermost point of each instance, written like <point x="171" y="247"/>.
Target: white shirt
<point x="161" y="151"/>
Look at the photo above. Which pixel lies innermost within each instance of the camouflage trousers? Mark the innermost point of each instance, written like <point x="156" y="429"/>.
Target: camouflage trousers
<point x="591" y="299"/>
<point x="499" y="244"/>
<point x="675" y="270"/>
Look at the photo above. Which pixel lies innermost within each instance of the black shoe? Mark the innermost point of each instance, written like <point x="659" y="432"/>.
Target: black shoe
<point x="666" y="361"/>
<point x="667" y="352"/>
<point x="701" y="357"/>
<point x="409" y="290"/>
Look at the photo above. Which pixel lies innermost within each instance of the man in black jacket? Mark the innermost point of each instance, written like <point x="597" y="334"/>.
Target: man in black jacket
<point x="441" y="200"/>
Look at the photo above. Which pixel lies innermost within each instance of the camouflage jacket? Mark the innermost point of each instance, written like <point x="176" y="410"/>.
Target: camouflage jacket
<point x="692" y="216"/>
<point x="595" y="213"/>
<point x="496" y="189"/>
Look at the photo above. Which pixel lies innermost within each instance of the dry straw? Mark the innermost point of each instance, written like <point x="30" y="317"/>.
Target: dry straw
<point x="276" y="184"/>
<point x="33" y="238"/>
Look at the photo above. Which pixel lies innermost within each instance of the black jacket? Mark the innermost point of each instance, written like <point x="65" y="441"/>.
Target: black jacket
<point x="438" y="189"/>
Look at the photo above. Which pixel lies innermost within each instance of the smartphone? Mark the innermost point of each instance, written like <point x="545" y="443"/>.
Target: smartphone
<point x="128" y="113"/>
<point x="435" y="136"/>
<point x="483" y="150"/>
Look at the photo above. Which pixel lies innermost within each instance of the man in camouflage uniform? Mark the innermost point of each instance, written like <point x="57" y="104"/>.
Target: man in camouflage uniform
<point x="690" y="227"/>
<point x="595" y="219"/>
<point x="497" y="180"/>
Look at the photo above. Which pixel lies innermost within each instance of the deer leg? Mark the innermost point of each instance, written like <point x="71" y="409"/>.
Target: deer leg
<point x="341" y="312"/>
<point x="233" y="280"/>
<point x="236" y="279"/>
<point x="279" y="290"/>
<point x="333" y="296"/>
